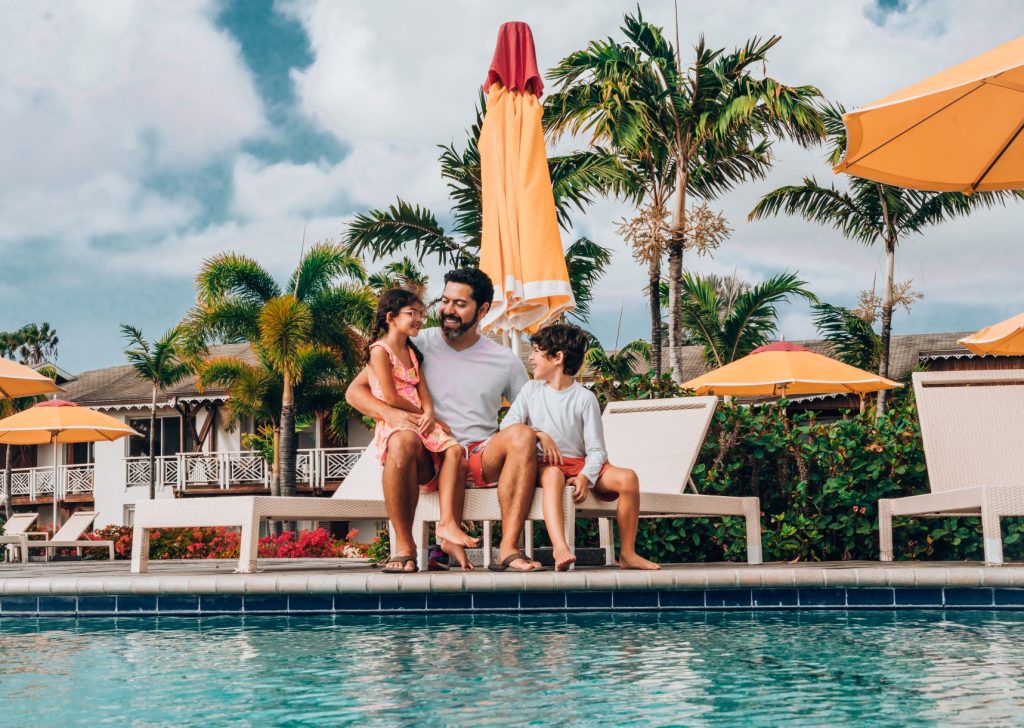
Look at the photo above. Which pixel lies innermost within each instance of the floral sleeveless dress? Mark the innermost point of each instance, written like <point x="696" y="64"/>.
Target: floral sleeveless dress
<point x="406" y="379"/>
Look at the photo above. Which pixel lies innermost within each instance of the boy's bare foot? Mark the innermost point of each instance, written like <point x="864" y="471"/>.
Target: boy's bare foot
<point x="454" y="534"/>
<point x="564" y="558"/>
<point x="457" y="552"/>
<point x="633" y="561"/>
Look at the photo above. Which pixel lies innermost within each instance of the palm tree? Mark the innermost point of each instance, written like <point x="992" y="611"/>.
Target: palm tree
<point x="322" y="312"/>
<point x="610" y="369"/>
<point x="403" y="273"/>
<point x="403" y="227"/>
<point x="160" y="364"/>
<point x="728" y="331"/>
<point x="32" y="344"/>
<point x="850" y="338"/>
<point x="871" y="212"/>
<point x="715" y="120"/>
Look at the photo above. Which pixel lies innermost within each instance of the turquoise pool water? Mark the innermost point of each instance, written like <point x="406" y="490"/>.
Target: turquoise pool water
<point x="752" y="668"/>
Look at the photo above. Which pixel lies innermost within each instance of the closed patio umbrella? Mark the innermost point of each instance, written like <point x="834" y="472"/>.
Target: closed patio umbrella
<point x="521" y="250"/>
<point x="783" y="369"/>
<point x="18" y="380"/>
<point x="957" y="131"/>
<point x="58" y="421"/>
<point x="1005" y="338"/>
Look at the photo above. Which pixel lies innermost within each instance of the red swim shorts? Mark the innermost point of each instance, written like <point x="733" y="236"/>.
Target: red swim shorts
<point x="571" y="467"/>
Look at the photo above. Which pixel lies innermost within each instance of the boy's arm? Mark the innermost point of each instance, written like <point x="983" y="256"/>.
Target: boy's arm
<point x="359" y="396"/>
<point x="593" y="439"/>
<point x="518" y="413"/>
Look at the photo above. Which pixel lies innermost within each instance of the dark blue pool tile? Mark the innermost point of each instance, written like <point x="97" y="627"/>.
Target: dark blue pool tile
<point x="682" y="598"/>
<point x="274" y="603"/>
<point x="178" y="603"/>
<point x="462" y="602"/>
<point x="357" y="603"/>
<point x="136" y="603"/>
<point x="220" y="603"/>
<point x="19" y="605"/>
<point x="918" y="597"/>
<point x="870" y="597"/>
<point x="96" y="604"/>
<point x="727" y="597"/>
<point x="60" y="605"/>
<point x="588" y="600"/>
<point x="822" y="597"/>
<point x="311" y="603"/>
<point x="635" y="599"/>
<point x="496" y="600"/>
<point x="774" y="597"/>
<point x="542" y="600"/>
<point x="968" y="597"/>
<point x="403" y="602"/>
<point x="1009" y="597"/>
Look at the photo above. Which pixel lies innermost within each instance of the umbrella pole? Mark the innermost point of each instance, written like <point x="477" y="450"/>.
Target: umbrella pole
<point x="55" y="489"/>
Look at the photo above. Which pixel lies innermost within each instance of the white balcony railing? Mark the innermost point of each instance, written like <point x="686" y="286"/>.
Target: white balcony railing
<point x="316" y="467"/>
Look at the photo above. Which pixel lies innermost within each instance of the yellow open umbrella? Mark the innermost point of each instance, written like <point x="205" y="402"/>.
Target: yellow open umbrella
<point x="786" y="370"/>
<point x="520" y="250"/>
<point x="959" y="130"/>
<point x="57" y="421"/>
<point x="1005" y="338"/>
<point x="18" y="380"/>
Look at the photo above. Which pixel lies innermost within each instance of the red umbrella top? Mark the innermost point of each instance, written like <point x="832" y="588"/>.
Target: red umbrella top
<point x="514" y="65"/>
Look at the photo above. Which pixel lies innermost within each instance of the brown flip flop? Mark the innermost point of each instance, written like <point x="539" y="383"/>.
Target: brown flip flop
<point x="506" y="563"/>
<point x="401" y="561"/>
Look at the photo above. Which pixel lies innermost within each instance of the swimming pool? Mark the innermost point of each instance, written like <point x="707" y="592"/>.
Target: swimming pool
<point x="760" y="668"/>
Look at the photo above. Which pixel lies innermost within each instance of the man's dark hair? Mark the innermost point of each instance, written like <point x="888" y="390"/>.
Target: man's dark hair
<point x="477" y="280"/>
<point x="571" y="340"/>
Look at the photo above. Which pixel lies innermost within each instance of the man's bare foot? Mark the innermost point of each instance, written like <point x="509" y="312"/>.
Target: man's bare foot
<point x="564" y="558"/>
<point x="633" y="561"/>
<point x="454" y="534"/>
<point x="458" y="552"/>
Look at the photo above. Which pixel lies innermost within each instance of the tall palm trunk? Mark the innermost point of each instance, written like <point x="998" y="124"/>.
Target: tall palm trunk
<point x="888" y="303"/>
<point x="654" y="295"/>
<point x="288" y="443"/>
<point x="275" y="476"/>
<point x="152" y="445"/>
<point x="675" y="278"/>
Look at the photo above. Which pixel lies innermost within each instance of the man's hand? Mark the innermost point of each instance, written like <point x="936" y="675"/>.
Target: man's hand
<point x="400" y="419"/>
<point x="580" y="484"/>
<point x="549" y="449"/>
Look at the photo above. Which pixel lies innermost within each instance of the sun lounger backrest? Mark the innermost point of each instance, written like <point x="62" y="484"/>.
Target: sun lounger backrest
<point x="19" y="523"/>
<point x="972" y="424"/>
<point x="364" y="480"/>
<point x="76" y="526"/>
<point x="658" y="438"/>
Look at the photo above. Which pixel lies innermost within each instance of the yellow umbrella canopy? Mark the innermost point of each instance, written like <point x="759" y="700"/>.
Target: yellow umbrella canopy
<point x="959" y="130"/>
<point x="59" y="421"/>
<point x="785" y="369"/>
<point x="1005" y="338"/>
<point x="520" y="249"/>
<point x="18" y="380"/>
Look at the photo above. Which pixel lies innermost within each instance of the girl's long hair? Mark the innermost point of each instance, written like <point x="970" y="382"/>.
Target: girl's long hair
<point x="391" y="302"/>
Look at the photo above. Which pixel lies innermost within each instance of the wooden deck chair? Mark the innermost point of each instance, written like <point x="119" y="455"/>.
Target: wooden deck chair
<point x="660" y="439"/>
<point x="70" y="535"/>
<point x="16" y="525"/>
<point x="972" y="424"/>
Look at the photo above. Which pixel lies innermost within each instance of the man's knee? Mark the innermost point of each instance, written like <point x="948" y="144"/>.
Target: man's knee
<point x="521" y="440"/>
<point x="403" y="449"/>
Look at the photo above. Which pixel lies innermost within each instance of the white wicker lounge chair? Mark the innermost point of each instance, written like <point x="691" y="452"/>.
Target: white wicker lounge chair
<point x="70" y="535"/>
<point x="16" y="525"/>
<point x="660" y="439"/>
<point x="972" y="424"/>
<point x="241" y="511"/>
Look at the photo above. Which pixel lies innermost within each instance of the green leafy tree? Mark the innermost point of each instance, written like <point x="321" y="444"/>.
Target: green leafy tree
<point x="715" y="118"/>
<point x="160" y="364"/>
<point x="324" y="310"/>
<point x="611" y="369"/>
<point x="728" y="331"/>
<point x="403" y="227"/>
<point x="871" y="212"/>
<point x="850" y="338"/>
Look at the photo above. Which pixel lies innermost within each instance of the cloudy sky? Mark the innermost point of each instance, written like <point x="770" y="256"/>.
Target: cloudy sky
<point x="141" y="137"/>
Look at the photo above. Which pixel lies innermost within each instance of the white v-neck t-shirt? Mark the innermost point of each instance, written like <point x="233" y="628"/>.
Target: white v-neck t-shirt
<point x="468" y="386"/>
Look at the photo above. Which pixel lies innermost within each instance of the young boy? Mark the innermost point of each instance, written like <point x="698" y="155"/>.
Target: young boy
<point x="567" y="419"/>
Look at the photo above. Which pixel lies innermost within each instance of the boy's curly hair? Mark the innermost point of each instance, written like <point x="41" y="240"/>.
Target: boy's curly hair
<point x="571" y="340"/>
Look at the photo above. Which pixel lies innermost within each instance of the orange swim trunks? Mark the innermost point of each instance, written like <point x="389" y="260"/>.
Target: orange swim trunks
<point x="571" y="467"/>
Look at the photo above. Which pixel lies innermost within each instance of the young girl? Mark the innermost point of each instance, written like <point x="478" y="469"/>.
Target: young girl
<point x="395" y="380"/>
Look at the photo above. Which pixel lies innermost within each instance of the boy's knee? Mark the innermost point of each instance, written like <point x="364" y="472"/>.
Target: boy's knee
<point x="630" y="483"/>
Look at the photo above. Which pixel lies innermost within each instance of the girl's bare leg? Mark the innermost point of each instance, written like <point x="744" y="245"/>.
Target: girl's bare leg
<point x="623" y="483"/>
<point x="553" y="482"/>
<point x="452" y="496"/>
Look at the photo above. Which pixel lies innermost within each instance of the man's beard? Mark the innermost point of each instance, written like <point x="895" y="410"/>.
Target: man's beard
<point x="454" y="334"/>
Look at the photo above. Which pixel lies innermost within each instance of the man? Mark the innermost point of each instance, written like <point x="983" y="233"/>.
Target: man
<point x="468" y="376"/>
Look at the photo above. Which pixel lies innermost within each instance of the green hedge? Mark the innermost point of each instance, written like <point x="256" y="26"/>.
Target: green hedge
<point x="819" y="485"/>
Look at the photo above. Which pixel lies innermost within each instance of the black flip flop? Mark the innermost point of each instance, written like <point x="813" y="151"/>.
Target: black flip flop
<point x="506" y="564"/>
<point x="401" y="561"/>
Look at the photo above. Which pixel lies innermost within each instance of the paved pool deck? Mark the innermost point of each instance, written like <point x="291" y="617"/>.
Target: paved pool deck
<point x="293" y="586"/>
